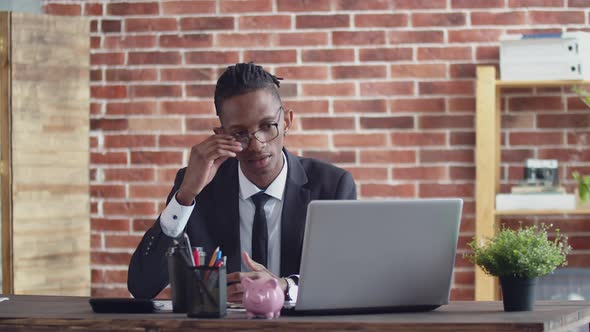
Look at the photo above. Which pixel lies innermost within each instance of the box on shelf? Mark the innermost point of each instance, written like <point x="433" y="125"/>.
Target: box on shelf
<point x="561" y="56"/>
<point x="546" y="201"/>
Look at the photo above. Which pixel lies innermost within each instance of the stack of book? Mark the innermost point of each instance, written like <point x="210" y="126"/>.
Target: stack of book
<point x="526" y="197"/>
<point x="524" y="189"/>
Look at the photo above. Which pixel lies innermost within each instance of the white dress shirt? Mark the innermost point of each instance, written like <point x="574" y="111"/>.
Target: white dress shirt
<point x="175" y="216"/>
<point x="272" y="208"/>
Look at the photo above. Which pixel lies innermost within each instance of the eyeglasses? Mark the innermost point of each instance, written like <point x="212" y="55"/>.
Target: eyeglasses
<point x="266" y="133"/>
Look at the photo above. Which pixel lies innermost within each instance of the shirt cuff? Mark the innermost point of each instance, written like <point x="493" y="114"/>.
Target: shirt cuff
<point x="294" y="290"/>
<point x="175" y="216"/>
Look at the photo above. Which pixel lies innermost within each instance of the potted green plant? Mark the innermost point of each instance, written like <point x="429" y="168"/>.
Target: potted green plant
<point x="517" y="258"/>
<point x="583" y="188"/>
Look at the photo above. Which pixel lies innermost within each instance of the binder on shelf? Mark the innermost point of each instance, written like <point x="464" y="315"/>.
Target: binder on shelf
<point x="534" y="57"/>
<point x="544" y="201"/>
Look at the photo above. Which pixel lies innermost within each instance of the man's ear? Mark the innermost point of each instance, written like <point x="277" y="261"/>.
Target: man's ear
<point x="288" y="121"/>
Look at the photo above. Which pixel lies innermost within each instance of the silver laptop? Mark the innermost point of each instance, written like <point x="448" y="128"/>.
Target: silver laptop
<point x="377" y="256"/>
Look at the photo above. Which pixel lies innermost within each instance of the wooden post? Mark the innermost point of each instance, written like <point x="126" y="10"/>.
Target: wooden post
<point x="487" y="156"/>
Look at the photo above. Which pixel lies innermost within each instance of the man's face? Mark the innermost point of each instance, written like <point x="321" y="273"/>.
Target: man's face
<point x="258" y="111"/>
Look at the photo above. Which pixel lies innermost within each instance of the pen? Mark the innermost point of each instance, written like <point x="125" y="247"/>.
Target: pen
<point x="188" y="248"/>
<point x="213" y="257"/>
<point x="220" y="262"/>
<point x="202" y="257"/>
<point x="218" y="259"/>
<point x="197" y="256"/>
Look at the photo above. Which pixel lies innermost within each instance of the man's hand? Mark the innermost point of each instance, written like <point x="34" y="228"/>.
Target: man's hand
<point x="235" y="292"/>
<point x="204" y="161"/>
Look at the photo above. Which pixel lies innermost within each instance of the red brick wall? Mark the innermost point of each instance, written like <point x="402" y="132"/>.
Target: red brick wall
<point x="382" y="88"/>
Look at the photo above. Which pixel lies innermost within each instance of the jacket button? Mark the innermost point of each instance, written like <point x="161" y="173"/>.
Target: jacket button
<point x="174" y="217"/>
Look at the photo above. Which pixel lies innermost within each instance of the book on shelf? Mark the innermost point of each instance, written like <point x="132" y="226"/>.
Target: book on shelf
<point x="526" y="189"/>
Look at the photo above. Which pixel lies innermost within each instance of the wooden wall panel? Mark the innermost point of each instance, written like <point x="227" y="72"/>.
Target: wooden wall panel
<point x="5" y="144"/>
<point x="50" y="156"/>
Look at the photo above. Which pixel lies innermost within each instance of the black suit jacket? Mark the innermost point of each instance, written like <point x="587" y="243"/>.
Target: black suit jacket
<point x="216" y="221"/>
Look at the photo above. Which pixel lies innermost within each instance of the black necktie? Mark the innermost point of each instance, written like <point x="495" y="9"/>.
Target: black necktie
<point x="260" y="230"/>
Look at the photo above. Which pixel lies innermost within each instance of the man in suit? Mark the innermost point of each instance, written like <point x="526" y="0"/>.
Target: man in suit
<point x="242" y="191"/>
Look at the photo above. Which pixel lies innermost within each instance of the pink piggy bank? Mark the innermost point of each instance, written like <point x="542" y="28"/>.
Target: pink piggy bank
<point x="263" y="297"/>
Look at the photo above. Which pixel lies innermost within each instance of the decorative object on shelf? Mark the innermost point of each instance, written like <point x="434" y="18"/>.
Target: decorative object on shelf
<point x="541" y="172"/>
<point x="517" y="258"/>
<point x="540" y="177"/>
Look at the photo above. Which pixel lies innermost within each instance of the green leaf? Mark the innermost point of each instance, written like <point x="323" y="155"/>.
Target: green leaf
<point x="583" y="186"/>
<point x="582" y="94"/>
<point x="576" y="175"/>
<point x="584" y="194"/>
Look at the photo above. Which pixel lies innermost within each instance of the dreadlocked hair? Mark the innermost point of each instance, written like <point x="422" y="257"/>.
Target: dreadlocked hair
<point x="242" y="78"/>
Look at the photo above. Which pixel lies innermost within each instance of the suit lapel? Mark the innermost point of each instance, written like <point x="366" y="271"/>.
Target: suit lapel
<point x="295" y="203"/>
<point x="228" y="215"/>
